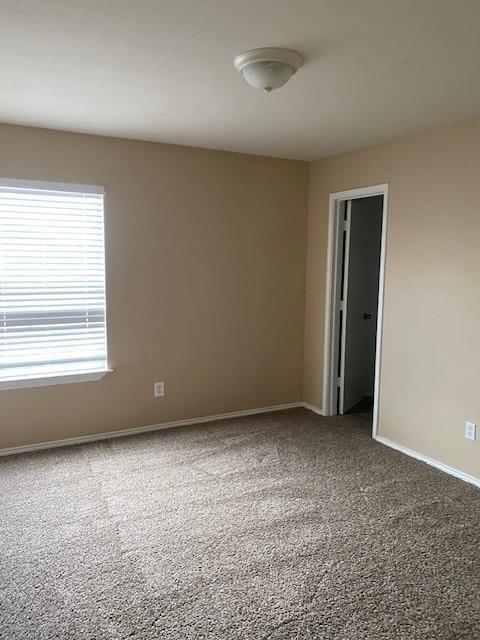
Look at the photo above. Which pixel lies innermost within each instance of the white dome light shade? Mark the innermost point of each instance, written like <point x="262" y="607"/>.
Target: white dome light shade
<point x="267" y="75"/>
<point x="268" y="68"/>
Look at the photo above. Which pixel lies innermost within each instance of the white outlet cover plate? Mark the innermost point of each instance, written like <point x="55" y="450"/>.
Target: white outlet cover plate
<point x="470" y="430"/>
<point x="159" y="389"/>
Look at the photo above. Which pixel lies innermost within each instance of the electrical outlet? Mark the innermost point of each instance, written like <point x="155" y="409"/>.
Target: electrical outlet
<point x="470" y="430"/>
<point x="158" y="389"/>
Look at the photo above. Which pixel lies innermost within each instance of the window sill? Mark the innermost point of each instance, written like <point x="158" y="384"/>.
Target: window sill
<point x="45" y="381"/>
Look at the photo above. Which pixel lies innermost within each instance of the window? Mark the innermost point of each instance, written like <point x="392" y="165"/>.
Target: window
<point x="52" y="283"/>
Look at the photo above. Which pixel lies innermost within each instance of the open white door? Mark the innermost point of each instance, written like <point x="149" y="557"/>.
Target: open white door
<point x="363" y="232"/>
<point x="343" y="403"/>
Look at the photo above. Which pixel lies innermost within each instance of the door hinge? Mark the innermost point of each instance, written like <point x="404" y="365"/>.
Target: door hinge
<point x="341" y="305"/>
<point x="345" y="225"/>
<point x="339" y="382"/>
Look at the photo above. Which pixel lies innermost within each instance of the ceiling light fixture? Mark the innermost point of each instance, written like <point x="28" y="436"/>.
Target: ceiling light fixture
<point x="268" y="68"/>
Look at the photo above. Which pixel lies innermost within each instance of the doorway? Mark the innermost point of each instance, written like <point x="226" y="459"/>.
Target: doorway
<point x="354" y="304"/>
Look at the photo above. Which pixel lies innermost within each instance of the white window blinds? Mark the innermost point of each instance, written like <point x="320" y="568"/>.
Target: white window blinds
<point x="52" y="280"/>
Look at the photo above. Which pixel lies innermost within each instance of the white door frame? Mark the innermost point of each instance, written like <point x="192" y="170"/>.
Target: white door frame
<point x="332" y="315"/>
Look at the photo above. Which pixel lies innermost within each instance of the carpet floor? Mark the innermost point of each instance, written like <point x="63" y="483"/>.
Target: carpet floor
<point x="279" y="526"/>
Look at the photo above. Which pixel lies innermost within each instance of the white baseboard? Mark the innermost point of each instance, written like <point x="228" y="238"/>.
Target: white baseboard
<point x="431" y="461"/>
<point x="312" y="407"/>
<point x="152" y="427"/>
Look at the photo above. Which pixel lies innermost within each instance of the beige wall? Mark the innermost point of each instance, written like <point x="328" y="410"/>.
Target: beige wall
<point x="430" y="378"/>
<point x="205" y="282"/>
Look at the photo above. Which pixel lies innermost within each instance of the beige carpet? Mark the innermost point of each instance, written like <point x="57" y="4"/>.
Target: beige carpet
<point x="285" y="525"/>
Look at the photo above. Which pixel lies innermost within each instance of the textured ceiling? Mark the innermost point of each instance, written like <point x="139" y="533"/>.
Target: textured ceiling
<point x="162" y="70"/>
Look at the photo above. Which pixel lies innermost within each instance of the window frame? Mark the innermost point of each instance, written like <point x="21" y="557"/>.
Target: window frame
<point x="77" y="376"/>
